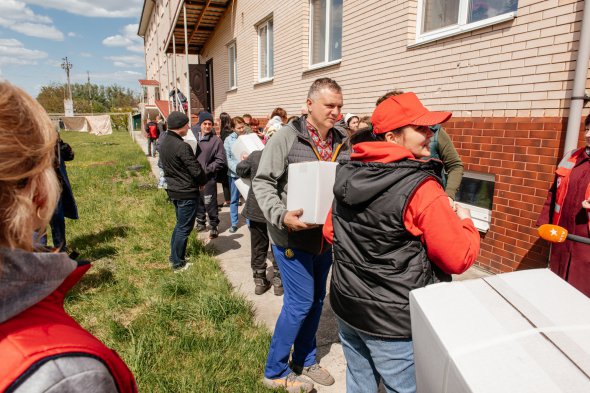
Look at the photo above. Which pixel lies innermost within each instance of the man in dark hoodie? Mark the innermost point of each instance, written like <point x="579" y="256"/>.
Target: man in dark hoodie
<point x="211" y="156"/>
<point x="303" y="257"/>
<point x="184" y="175"/>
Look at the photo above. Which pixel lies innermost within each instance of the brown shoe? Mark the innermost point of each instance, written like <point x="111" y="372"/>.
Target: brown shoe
<point x="316" y="372"/>
<point x="292" y="383"/>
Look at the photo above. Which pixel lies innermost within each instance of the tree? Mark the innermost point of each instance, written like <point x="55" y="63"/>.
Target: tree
<point x="111" y="98"/>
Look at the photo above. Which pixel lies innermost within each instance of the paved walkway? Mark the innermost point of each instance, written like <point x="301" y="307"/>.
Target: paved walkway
<point x="233" y="253"/>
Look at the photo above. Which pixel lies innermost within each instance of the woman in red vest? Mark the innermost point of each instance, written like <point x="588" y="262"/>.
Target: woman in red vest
<point x="42" y="349"/>
<point x="568" y="205"/>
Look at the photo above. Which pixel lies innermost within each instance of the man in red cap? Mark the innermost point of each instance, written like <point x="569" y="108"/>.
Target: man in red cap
<point x="391" y="225"/>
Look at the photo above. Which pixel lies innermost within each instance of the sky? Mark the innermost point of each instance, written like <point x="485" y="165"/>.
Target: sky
<point x="98" y="37"/>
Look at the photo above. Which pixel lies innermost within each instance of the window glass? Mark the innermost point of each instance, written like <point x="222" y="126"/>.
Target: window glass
<point x="484" y="9"/>
<point x="318" y="31"/>
<point x="263" y="41"/>
<point x="439" y="14"/>
<point x="232" y="65"/>
<point x="271" y="65"/>
<point x="476" y="192"/>
<point x="335" y="30"/>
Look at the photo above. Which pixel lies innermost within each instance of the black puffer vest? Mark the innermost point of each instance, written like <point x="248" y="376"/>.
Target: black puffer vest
<point x="377" y="262"/>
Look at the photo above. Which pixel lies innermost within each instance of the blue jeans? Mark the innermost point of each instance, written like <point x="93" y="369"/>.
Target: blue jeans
<point x="58" y="227"/>
<point x="186" y="213"/>
<point x="370" y="359"/>
<point x="235" y="199"/>
<point x="304" y="281"/>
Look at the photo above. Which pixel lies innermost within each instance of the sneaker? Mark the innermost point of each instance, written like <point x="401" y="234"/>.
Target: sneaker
<point x="233" y="229"/>
<point x="278" y="285"/>
<point x="182" y="268"/>
<point x="292" y="383"/>
<point x="316" y="372"/>
<point x="213" y="233"/>
<point x="200" y="227"/>
<point x="262" y="285"/>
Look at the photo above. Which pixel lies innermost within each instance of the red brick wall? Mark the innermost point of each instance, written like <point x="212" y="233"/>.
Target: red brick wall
<point x="522" y="153"/>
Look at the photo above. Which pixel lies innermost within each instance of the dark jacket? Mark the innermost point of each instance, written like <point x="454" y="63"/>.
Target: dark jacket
<point x="182" y="171"/>
<point x="377" y="262"/>
<point x="247" y="169"/>
<point x="291" y="144"/>
<point x="211" y="154"/>
<point x="65" y="153"/>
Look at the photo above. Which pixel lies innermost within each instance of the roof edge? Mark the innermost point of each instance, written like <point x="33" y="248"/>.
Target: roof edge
<point x="146" y="12"/>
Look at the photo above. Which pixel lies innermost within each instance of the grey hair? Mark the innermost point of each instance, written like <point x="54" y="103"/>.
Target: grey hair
<point x="323" y="83"/>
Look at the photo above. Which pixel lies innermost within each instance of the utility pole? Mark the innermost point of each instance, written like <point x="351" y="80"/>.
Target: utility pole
<point x="69" y="104"/>
<point x="90" y="93"/>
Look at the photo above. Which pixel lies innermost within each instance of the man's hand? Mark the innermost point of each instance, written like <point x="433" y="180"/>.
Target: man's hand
<point x="293" y="223"/>
<point x="244" y="156"/>
<point x="462" y="212"/>
<point x="586" y="204"/>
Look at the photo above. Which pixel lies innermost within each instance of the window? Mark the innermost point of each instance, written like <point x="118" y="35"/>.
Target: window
<point x="325" y="31"/>
<point x="441" y="18"/>
<point x="233" y="65"/>
<point x="476" y="193"/>
<point x="265" y="51"/>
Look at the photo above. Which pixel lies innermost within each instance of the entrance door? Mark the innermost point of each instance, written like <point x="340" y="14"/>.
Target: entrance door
<point x="201" y="83"/>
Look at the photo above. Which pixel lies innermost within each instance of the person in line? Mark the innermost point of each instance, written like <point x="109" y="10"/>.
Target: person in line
<point x="278" y="118"/>
<point x="259" y="240"/>
<point x="248" y="120"/>
<point x="442" y="148"/>
<point x="255" y="126"/>
<point x="184" y="175"/>
<point x="391" y="225"/>
<point x="152" y="133"/>
<point x="211" y="156"/>
<point x="302" y="255"/>
<point x="568" y="205"/>
<point x="43" y="349"/>
<point x="225" y="130"/>
<point x="232" y="161"/>
<point x="66" y="204"/>
<point x="364" y="122"/>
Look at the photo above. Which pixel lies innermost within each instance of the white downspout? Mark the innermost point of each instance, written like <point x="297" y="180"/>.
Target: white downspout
<point x="188" y="82"/>
<point x="577" y="101"/>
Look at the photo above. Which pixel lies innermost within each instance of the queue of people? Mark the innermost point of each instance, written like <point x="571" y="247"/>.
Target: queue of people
<point x="387" y="233"/>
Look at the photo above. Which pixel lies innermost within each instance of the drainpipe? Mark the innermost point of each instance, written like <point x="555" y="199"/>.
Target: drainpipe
<point x="188" y="82"/>
<point x="577" y="101"/>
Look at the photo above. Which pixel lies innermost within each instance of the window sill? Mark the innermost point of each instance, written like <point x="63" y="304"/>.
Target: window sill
<point x="264" y="82"/>
<point x="456" y="30"/>
<point x="321" y="66"/>
<point x="481" y="217"/>
<point x="232" y="89"/>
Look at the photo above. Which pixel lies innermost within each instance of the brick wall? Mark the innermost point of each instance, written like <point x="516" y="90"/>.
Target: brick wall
<point x="522" y="153"/>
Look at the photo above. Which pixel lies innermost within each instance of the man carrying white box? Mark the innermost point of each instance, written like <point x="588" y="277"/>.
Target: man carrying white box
<point x="303" y="257"/>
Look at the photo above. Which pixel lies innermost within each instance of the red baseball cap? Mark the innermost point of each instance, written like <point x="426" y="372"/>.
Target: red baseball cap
<point x="404" y="110"/>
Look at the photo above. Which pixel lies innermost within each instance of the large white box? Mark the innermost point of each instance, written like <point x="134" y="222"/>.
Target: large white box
<point x="246" y="144"/>
<point x="521" y="332"/>
<point x="310" y="188"/>
<point x="243" y="186"/>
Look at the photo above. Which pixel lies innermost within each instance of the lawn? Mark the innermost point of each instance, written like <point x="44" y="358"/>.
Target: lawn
<point x="183" y="332"/>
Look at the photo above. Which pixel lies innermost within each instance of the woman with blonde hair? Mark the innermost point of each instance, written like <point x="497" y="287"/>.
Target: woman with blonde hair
<point x="42" y="348"/>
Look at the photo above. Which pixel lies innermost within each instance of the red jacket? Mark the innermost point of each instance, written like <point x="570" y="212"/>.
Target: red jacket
<point x="428" y="215"/>
<point x="46" y="331"/>
<point x="570" y="260"/>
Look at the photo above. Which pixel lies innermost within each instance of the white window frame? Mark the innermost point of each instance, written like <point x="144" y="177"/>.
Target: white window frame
<point x="327" y="38"/>
<point x="461" y="27"/>
<point x="269" y="58"/>
<point x="481" y="217"/>
<point x="232" y="46"/>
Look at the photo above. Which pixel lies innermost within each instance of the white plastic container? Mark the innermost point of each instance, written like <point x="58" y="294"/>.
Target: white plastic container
<point x="310" y="188"/>
<point x="246" y="144"/>
<point x="525" y="332"/>
<point x="243" y="186"/>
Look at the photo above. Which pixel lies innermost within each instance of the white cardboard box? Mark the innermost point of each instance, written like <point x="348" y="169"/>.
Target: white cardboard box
<point x="310" y="188"/>
<point x="243" y="186"/>
<point x="520" y="332"/>
<point x="246" y="144"/>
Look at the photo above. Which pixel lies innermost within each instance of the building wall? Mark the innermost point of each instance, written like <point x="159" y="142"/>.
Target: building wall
<point x="520" y="68"/>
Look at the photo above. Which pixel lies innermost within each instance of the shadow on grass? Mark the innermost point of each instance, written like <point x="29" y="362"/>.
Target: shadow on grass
<point x="95" y="246"/>
<point x="92" y="280"/>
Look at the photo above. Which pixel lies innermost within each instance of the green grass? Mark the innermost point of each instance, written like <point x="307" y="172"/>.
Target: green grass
<point x="177" y="332"/>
